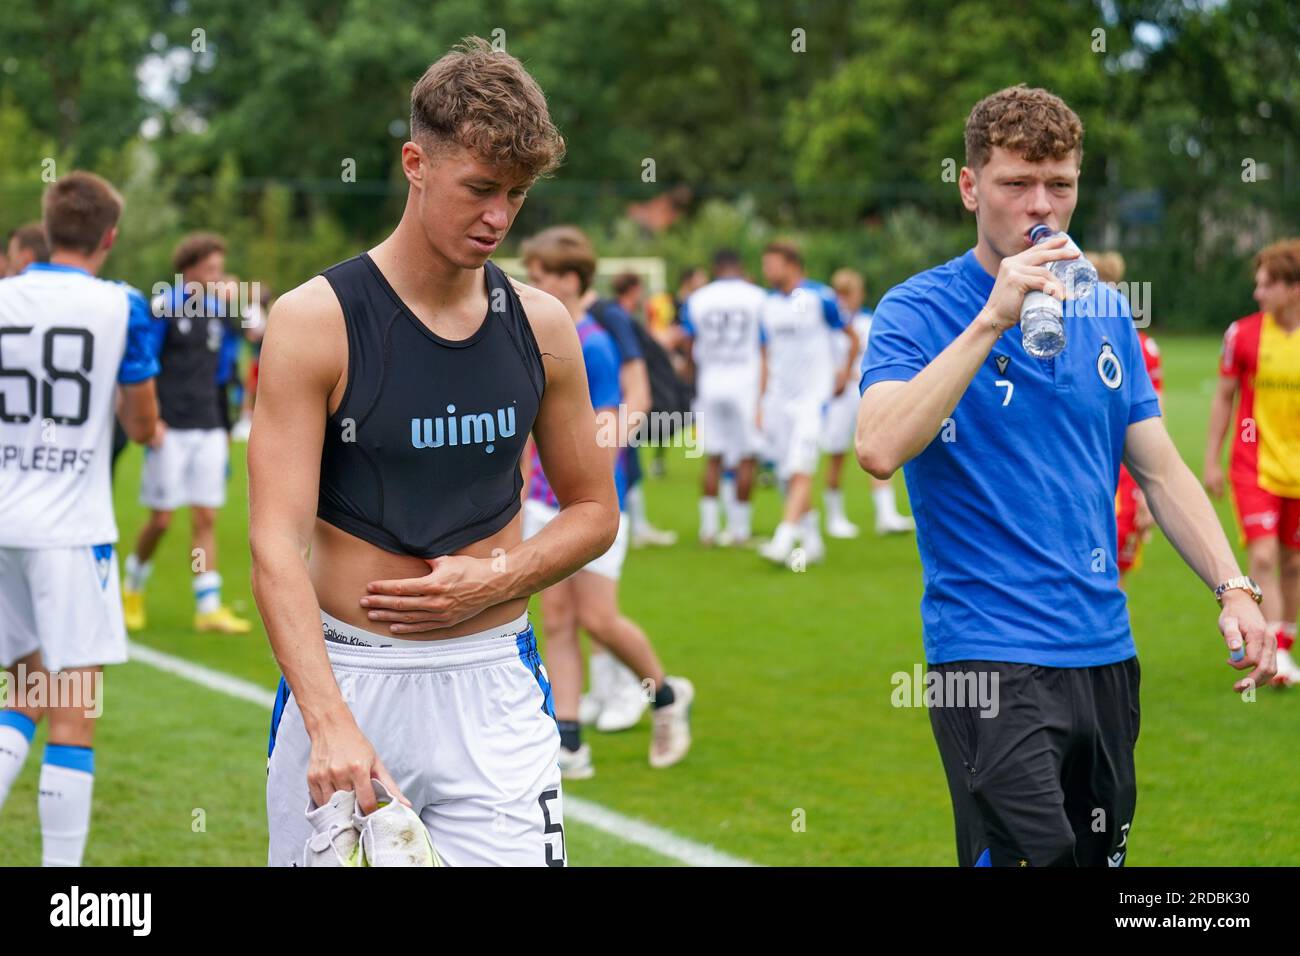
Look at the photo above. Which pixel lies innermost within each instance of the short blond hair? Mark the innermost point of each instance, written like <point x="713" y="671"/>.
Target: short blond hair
<point x="484" y="100"/>
<point x="848" y="282"/>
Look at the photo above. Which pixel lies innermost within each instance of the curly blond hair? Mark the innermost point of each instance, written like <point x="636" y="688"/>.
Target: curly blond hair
<point x="1029" y="121"/>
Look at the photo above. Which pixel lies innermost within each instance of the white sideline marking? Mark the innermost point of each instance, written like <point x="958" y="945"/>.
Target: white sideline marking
<point x="627" y="829"/>
<point x="663" y="842"/>
<point x="204" y="676"/>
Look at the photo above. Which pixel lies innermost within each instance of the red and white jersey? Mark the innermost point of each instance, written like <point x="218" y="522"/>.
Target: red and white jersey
<point x="1239" y="360"/>
<point x="1151" y="355"/>
<point x="1264" y="358"/>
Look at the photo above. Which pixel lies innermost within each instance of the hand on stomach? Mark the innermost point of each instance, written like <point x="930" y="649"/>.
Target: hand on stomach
<point x="343" y="566"/>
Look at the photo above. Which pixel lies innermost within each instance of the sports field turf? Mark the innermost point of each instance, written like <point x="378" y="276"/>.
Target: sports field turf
<point x="799" y="756"/>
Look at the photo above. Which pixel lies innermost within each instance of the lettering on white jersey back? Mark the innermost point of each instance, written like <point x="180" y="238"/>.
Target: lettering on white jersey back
<point x="62" y="337"/>
<point x="725" y="320"/>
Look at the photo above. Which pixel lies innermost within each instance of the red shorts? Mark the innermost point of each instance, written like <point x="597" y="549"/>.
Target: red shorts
<point x="1129" y="537"/>
<point x="1262" y="514"/>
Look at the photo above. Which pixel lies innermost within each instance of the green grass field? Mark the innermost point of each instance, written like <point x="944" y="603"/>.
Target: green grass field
<point x="793" y="720"/>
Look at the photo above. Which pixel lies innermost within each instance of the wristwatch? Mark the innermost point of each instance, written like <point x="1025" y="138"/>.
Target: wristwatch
<point x="1241" y="583"/>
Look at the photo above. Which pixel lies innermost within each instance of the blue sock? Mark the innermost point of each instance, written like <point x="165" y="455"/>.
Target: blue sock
<point x="73" y="758"/>
<point x="19" y="722"/>
<point x="15" y="740"/>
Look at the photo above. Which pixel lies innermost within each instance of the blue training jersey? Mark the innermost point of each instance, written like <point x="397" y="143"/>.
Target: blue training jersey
<point x="1014" y="499"/>
<point x="618" y="325"/>
<point x="600" y="356"/>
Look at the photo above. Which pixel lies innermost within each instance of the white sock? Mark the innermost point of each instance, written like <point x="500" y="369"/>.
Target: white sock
<point x="886" y="504"/>
<point x="784" y="537"/>
<point x="708" y="517"/>
<point x="727" y="491"/>
<point x="15" y="740"/>
<point x="810" y="528"/>
<point x="738" y="519"/>
<point x="137" y="573"/>
<point x="64" y="806"/>
<point x="833" y="498"/>
<point x="635" y="500"/>
<point x="207" y="591"/>
<point x="598" y="673"/>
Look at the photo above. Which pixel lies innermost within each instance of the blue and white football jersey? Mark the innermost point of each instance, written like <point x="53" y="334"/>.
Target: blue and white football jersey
<point x="861" y="324"/>
<point x="66" y="340"/>
<point x="722" y="319"/>
<point x="801" y="328"/>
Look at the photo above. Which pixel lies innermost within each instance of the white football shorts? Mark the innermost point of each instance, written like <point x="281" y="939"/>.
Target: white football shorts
<point x="189" y="468"/>
<point x="64" y="602"/>
<point x="466" y="726"/>
<point x="841" y="422"/>
<point x="538" y="514"/>
<point x="727" y="427"/>
<point x="793" y="432"/>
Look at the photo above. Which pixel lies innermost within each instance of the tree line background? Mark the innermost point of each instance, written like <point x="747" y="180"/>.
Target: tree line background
<point x="834" y="122"/>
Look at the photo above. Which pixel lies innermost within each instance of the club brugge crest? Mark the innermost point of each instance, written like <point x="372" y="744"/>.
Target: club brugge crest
<point x="1109" y="367"/>
<point x="103" y="562"/>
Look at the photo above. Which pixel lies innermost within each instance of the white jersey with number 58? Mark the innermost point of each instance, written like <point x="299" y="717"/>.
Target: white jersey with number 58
<point x="66" y="340"/>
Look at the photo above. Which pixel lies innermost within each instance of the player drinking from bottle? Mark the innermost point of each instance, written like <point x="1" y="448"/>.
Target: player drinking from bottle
<point x="1011" y="466"/>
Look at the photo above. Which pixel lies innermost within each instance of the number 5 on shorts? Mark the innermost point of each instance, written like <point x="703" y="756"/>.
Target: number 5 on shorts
<point x="551" y="859"/>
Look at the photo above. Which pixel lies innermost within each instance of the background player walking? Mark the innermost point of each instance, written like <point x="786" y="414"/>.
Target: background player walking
<point x="1260" y="367"/>
<point x="800" y="319"/>
<point x="68" y="343"/>
<point x="186" y="462"/>
<point x="722" y="324"/>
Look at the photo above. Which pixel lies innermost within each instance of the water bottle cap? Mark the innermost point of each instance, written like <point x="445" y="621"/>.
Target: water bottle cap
<point x="1038" y="233"/>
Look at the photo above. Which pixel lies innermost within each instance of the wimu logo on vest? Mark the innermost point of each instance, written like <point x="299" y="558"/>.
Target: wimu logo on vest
<point x="482" y="428"/>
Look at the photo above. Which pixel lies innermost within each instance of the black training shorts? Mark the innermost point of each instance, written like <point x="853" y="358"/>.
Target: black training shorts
<point x="1046" y="777"/>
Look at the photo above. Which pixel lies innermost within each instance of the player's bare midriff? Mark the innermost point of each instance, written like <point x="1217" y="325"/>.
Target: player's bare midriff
<point x="341" y="565"/>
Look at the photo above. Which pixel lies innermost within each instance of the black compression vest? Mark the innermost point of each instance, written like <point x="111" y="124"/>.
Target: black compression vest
<point x="422" y="456"/>
<point x="188" y="396"/>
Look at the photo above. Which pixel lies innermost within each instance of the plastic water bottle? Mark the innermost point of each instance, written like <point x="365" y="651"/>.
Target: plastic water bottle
<point x="1042" y="325"/>
<point x="1042" y="321"/>
<point x="1079" y="276"/>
